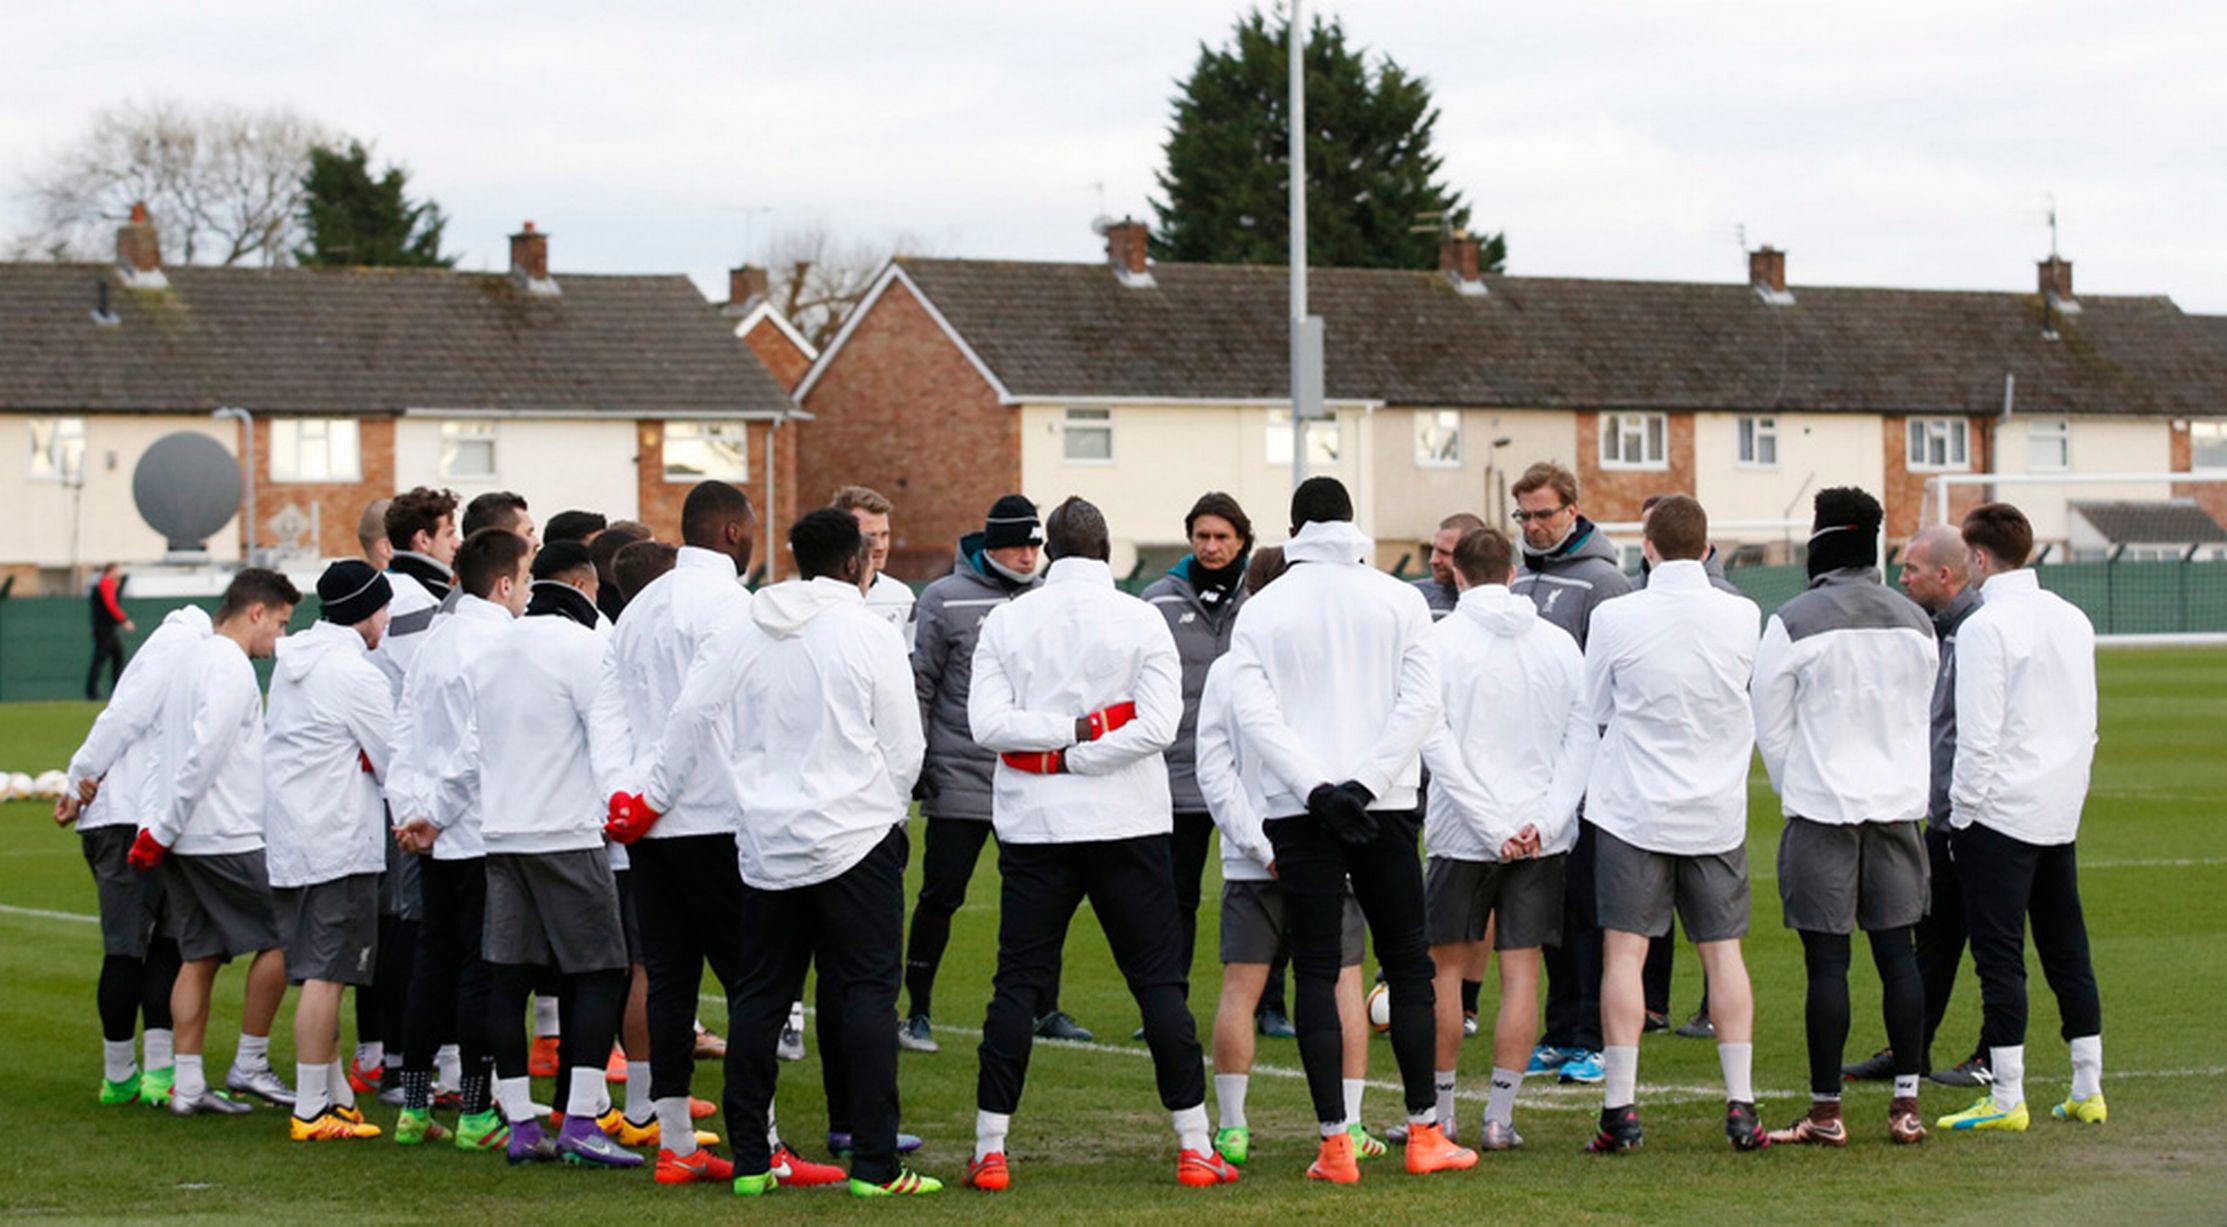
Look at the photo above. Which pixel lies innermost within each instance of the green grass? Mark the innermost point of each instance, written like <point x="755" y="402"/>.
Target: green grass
<point x="1092" y="1144"/>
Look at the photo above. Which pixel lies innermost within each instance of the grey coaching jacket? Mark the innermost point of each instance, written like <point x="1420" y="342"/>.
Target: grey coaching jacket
<point x="1202" y="634"/>
<point x="1570" y="583"/>
<point x="955" y="779"/>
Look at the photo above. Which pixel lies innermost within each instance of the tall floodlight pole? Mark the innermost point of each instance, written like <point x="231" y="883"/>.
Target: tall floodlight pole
<point x="1296" y="36"/>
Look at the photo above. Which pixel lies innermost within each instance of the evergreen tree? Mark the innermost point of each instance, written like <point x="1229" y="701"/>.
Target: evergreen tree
<point x="353" y="219"/>
<point x="1371" y="172"/>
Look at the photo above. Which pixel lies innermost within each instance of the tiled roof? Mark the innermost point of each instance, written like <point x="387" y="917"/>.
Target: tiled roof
<point x="1220" y="332"/>
<point x="2167" y="521"/>
<point x="353" y="341"/>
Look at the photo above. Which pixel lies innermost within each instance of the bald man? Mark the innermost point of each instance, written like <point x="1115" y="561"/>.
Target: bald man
<point x="1935" y="573"/>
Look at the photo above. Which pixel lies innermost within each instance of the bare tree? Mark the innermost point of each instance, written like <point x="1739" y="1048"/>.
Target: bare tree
<point x="224" y="183"/>
<point x="816" y="279"/>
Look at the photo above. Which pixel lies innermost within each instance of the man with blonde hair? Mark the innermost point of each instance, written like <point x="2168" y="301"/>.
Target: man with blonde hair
<point x="887" y="596"/>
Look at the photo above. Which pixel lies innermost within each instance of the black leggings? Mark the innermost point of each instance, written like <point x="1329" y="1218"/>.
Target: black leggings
<point x="2007" y="884"/>
<point x="589" y="1005"/>
<point x="951" y="847"/>
<point x="132" y="989"/>
<point x="1573" y="1011"/>
<point x="1826" y="957"/>
<point x="449" y="981"/>
<point x="380" y="1004"/>
<point x="1188" y="844"/>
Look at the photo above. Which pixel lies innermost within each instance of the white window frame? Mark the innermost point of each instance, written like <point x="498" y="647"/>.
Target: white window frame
<point x="2055" y="432"/>
<point x="60" y="456"/>
<point x="1325" y="440"/>
<point x="1623" y="427"/>
<point x="291" y="436"/>
<point x="1079" y="424"/>
<point x="1749" y="435"/>
<point x="2217" y="432"/>
<point x="454" y="436"/>
<point x="1955" y="435"/>
<point x="1432" y="425"/>
<point x="695" y="431"/>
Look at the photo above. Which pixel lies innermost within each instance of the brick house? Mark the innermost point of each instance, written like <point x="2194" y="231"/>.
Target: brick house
<point x="1139" y="385"/>
<point x="610" y="393"/>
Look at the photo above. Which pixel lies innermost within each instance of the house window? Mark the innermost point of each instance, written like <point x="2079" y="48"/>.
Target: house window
<point x="315" y="449"/>
<point x="2048" y="445"/>
<point x="1437" y="439"/>
<point x="1937" y="443"/>
<point x="1087" y="436"/>
<point x="704" y="451"/>
<point x="1634" y="441"/>
<point x="57" y="449"/>
<point x="467" y="450"/>
<point x="1759" y="442"/>
<point x="1322" y="439"/>
<point x="2207" y="446"/>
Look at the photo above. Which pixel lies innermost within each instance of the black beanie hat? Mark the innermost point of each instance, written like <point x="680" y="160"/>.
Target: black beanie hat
<point x="1012" y="521"/>
<point x="350" y="591"/>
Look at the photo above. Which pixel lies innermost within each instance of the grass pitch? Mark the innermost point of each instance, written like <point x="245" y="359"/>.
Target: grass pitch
<point x="1091" y="1143"/>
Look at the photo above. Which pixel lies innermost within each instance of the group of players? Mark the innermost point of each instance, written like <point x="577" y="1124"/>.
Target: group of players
<point x="497" y="769"/>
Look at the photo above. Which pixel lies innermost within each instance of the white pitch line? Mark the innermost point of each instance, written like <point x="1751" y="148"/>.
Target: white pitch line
<point x="40" y="913"/>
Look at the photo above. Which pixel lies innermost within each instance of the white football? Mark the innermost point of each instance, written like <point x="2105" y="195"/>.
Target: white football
<point x="19" y="786"/>
<point x="49" y="785"/>
<point x="1380" y="1008"/>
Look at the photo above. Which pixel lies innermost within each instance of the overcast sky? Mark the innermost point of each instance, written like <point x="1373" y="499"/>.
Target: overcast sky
<point x="1890" y="143"/>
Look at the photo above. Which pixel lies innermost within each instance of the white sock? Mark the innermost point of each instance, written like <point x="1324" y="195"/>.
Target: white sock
<point x="1353" y="1088"/>
<point x="517" y="1097"/>
<point x="773" y="1127"/>
<point x="591" y="1095"/>
<point x="159" y="1051"/>
<point x="310" y="1096"/>
<point x="2087" y="1066"/>
<point x="370" y="1056"/>
<point x="448" y="1066"/>
<point x="990" y="1129"/>
<point x="638" y="1105"/>
<point x="1814" y="1097"/>
<point x="1906" y="1086"/>
<point x="254" y="1053"/>
<point x="1738" y="1063"/>
<point x="1500" y="1104"/>
<point x="2009" y="1065"/>
<point x="545" y="1017"/>
<point x="337" y="1080"/>
<point x="1190" y="1129"/>
<point x="117" y="1063"/>
<point x="1443" y="1081"/>
<point x="1621" y="1088"/>
<point x="676" y="1128"/>
<point x="191" y="1082"/>
<point x="1332" y="1128"/>
<point x="1229" y="1096"/>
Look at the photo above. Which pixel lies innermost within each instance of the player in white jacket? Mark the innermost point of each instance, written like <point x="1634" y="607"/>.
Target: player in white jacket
<point x="1666" y="677"/>
<point x="1843" y="692"/>
<point x="815" y="697"/>
<point x="1335" y="687"/>
<point x="1078" y="688"/>
<point x="1508" y="763"/>
<point x="107" y="780"/>
<point x="2025" y="742"/>
<point x="324" y="747"/>
<point x="202" y="816"/>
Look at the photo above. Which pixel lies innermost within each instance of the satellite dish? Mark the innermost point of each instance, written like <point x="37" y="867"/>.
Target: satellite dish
<point x="187" y="487"/>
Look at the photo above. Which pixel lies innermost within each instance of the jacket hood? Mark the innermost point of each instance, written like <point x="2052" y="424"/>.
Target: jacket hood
<point x="195" y="618"/>
<point x="1328" y="541"/>
<point x="301" y="651"/>
<point x="783" y="610"/>
<point x="1586" y="541"/>
<point x="1498" y="610"/>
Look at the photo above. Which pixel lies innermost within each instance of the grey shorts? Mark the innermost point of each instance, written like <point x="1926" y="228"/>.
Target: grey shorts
<point x="630" y="916"/>
<point x="1253" y="925"/>
<point x="1637" y="889"/>
<point x="400" y="895"/>
<point x="130" y="900"/>
<point x="554" y="909"/>
<point x="1834" y="878"/>
<point x="331" y="929"/>
<point x="1461" y="897"/>
<point x="218" y="907"/>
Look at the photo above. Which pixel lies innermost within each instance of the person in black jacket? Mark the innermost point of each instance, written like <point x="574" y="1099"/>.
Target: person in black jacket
<point x="109" y="626"/>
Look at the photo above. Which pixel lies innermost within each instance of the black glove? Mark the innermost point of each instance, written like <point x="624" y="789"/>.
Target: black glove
<point x="1344" y="809"/>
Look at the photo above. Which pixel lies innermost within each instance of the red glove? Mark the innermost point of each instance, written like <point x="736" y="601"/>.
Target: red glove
<point x="146" y="853"/>
<point x="365" y="759"/>
<point x="1037" y="762"/>
<point x="1108" y="719"/>
<point x="631" y="817"/>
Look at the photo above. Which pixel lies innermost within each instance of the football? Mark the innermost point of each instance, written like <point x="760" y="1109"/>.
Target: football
<point x="1380" y="1009"/>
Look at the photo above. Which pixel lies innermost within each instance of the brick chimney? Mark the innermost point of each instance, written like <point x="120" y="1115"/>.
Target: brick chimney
<point x="2056" y="278"/>
<point x="1457" y="259"/>
<point x="1767" y="269"/>
<point x="745" y="285"/>
<point x="139" y="249"/>
<point x="1126" y="241"/>
<point x="529" y="259"/>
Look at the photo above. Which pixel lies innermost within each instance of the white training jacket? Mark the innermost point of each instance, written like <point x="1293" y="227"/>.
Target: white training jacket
<point x="1075" y="646"/>
<point x="415" y="608"/>
<point x="1516" y="742"/>
<point x="1229" y="780"/>
<point x="205" y="797"/>
<point x="121" y="749"/>
<point x="436" y="772"/>
<point x="1334" y="678"/>
<point x="322" y="813"/>
<point x="548" y="758"/>
<point x="2025" y="712"/>
<point x="891" y="599"/>
<point x="816" y="698"/>
<point x="671" y="626"/>
<point x="1843" y="697"/>
<point x="1666" y="671"/>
